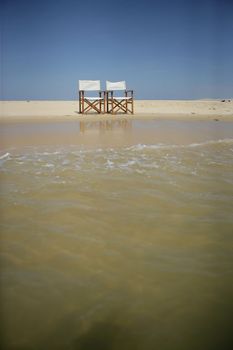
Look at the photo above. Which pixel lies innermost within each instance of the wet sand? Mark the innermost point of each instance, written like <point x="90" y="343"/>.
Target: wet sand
<point x="114" y="133"/>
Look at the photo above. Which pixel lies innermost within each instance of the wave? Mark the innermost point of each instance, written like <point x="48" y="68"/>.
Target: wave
<point x="4" y="156"/>
<point x="140" y="146"/>
<point x="137" y="156"/>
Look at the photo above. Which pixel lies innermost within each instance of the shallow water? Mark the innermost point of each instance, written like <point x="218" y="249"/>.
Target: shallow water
<point x="118" y="243"/>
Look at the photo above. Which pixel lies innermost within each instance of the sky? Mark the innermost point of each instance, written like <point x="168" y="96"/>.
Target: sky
<point x="168" y="49"/>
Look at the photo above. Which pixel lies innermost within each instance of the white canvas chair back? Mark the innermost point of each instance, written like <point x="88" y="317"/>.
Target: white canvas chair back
<point x="89" y="85"/>
<point x="91" y="103"/>
<point x="114" y="102"/>
<point x="119" y="85"/>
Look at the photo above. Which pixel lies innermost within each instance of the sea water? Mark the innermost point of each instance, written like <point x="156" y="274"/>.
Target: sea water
<point x="117" y="246"/>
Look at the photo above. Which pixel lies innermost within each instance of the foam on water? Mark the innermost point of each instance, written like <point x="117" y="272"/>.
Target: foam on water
<point x="6" y="155"/>
<point x="4" y="158"/>
<point x="137" y="157"/>
<point x="140" y="146"/>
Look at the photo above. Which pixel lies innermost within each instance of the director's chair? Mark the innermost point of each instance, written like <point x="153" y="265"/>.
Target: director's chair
<point x="87" y="103"/>
<point x="118" y="103"/>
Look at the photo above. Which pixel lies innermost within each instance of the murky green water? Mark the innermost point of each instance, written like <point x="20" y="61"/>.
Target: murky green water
<point x="117" y="246"/>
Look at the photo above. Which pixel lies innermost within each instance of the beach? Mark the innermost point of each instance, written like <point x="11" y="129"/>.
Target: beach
<point x="116" y="231"/>
<point x="164" y="109"/>
<point x="55" y="122"/>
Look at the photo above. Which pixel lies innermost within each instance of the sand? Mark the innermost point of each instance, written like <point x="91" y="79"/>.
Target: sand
<point x="148" y="109"/>
<point x="56" y="122"/>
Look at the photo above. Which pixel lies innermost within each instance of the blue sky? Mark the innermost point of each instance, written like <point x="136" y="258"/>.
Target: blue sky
<point x="178" y="49"/>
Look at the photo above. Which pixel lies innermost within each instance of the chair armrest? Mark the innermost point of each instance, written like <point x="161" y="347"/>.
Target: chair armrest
<point x="129" y="91"/>
<point x="125" y="91"/>
<point x="101" y="93"/>
<point x="86" y="90"/>
<point x="109" y="92"/>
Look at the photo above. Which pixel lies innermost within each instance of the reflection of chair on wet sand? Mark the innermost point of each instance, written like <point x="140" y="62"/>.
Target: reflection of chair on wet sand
<point x="116" y="125"/>
<point x="121" y="103"/>
<point x="87" y="103"/>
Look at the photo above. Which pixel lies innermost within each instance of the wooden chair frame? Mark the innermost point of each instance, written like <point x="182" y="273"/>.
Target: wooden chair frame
<point x="87" y="104"/>
<point x="124" y="104"/>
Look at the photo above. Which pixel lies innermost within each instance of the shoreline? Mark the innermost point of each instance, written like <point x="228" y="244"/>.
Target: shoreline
<point x="196" y="110"/>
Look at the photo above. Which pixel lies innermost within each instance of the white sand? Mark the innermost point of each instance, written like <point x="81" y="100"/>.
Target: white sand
<point x="164" y="109"/>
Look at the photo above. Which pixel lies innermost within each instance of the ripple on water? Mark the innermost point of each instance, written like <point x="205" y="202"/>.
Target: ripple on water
<point x="144" y="231"/>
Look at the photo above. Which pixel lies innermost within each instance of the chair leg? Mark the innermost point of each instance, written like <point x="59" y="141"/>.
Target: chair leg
<point x="100" y="103"/>
<point x="79" y="102"/>
<point x="112" y="101"/>
<point x="126" y="102"/>
<point x="96" y="105"/>
<point x="104" y="102"/>
<point x="119" y="105"/>
<point x="86" y="105"/>
<point x="107" y="102"/>
<point x="132" y="103"/>
<point x="113" y="106"/>
<point x="82" y="102"/>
